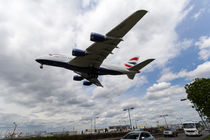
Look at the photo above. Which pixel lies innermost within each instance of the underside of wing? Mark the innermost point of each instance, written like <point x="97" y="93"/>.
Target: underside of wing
<point x="92" y="80"/>
<point x="96" y="82"/>
<point x="120" y="30"/>
<point x="97" y="52"/>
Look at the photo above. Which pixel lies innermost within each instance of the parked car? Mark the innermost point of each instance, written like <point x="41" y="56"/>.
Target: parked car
<point x="138" y="135"/>
<point x="170" y="132"/>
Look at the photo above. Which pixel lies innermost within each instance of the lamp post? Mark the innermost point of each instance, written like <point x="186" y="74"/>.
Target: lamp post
<point x="180" y="119"/>
<point x="165" y="119"/>
<point x="199" y="113"/>
<point x="91" y="127"/>
<point x="136" y="123"/>
<point x="95" y="122"/>
<point x="13" y="133"/>
<point x="128" y="109"/>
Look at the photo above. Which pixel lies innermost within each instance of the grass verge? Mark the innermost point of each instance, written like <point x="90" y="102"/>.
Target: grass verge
<point x="206" y="138"/>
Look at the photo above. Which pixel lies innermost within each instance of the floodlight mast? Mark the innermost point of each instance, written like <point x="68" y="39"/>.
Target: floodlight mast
<point x="128" y="109"/>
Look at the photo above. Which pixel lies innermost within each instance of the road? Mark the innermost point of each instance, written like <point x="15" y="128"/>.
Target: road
<point x="180" y="137"/>
<point x="183" y="137"/>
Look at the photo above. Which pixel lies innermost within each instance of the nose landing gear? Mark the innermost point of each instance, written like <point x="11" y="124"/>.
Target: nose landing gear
<point x="41" y="66"/>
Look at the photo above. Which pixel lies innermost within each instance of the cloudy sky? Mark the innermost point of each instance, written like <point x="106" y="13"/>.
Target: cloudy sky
<point x="175" y="33"/>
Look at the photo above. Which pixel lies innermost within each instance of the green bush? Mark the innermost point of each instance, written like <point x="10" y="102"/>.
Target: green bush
<point x="76" y="137"/>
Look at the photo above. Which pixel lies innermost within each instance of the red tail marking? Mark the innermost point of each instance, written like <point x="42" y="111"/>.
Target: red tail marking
<point x="128" y="65"/>
<point x="135" y="58"/>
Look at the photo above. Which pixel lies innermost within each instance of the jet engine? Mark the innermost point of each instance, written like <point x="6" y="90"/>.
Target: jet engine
<point x="87" y="83"/>
<point x="78" y="52"/>
<point x="77" y="78"/>
<point x="95" y="37"/>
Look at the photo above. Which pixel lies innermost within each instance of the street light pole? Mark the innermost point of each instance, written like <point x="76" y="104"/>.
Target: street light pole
<point x="91" y="125"/>
<point x="165" y="119"/>
<point x="128" y="109"/>
<point x="95" y="123"/>
<point x="199" y="113"/>
<point x="136" y="123"/>
<point x="201" y="116"/>
<point x="13" y="133"/>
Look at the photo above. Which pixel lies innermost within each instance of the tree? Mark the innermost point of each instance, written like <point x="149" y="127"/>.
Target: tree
<point x="198" y="92"/>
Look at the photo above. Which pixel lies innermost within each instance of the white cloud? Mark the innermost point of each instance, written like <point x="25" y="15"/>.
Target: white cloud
<point x="115" y="86"/>
<point x="159" y="86"/>
<point x="204" y="46"/>
<point x="29" y="29"/>
<point x="164" y="98"/>
<point x="202" y="71"/>
<point x="163" y="90"/>
<point x="196" y="15"/>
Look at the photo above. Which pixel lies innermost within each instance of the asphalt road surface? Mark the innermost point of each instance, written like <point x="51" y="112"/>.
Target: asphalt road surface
<point x="180" y="137"/>
<point x="183" y="137"/>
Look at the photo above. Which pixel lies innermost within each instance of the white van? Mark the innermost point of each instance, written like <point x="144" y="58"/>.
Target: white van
<point x="192" y="129"/>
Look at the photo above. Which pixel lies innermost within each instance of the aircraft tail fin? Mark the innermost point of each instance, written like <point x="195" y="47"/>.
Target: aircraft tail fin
<point x="141" y="65"/>
<point x="131" y="62"/>
<point x="136" y="69"/>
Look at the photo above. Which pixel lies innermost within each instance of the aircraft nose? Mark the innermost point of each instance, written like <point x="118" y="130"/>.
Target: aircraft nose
<point x="38" y="60"/>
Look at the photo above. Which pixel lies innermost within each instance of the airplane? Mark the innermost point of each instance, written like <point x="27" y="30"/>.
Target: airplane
<point x="87" y="64"/>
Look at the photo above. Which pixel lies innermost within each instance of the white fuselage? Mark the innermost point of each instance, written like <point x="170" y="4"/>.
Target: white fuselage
<point x="59" y="60"/>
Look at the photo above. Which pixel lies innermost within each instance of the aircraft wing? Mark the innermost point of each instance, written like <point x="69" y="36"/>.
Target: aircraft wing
<point x="97" y="52"/>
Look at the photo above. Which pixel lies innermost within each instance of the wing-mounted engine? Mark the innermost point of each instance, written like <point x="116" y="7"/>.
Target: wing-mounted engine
<point x="78" y="52"/>
<point x="87" y="83"/>
<point x="78" y="78"/>
<point x="95" y="37"/>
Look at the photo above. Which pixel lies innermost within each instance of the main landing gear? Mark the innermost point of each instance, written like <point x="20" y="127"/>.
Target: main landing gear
<point x="41" y="66"/>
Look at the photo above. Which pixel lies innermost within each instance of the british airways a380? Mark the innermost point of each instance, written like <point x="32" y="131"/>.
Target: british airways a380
<point x="87" y="64"/>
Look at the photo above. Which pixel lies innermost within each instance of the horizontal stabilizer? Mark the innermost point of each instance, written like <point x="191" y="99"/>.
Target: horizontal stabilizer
<point x="141" y="65"/>
<point x="131" y="75"/>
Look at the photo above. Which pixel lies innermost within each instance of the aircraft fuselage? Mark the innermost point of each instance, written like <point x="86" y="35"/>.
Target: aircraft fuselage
<point x="59" y="60"/>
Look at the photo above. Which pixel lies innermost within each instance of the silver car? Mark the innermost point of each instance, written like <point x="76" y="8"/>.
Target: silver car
<point x="138" y="135"/>
<point x="170" y="132"/>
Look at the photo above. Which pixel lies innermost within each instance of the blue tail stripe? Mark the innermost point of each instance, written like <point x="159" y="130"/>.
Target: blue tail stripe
<point x="134" y="63"/>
